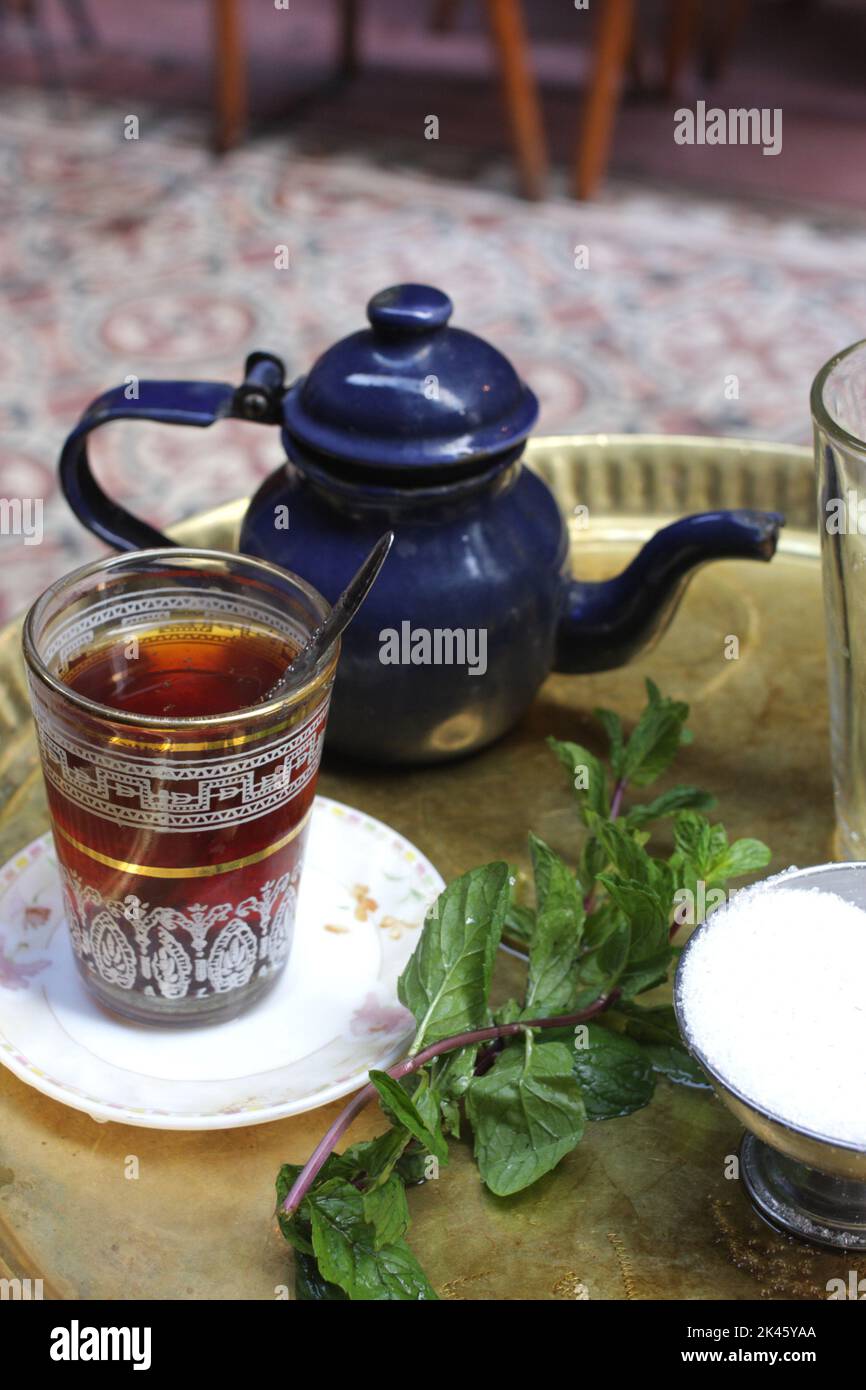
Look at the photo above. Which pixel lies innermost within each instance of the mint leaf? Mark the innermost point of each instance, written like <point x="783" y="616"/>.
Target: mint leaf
<point x="644" y="975"/>
<point x="614" y="1073"/>
<point x="450" y="1078"/>
<point x="606" y="941"/>
<point x="452" y="1073"/>
<point x="371" y="1162"/>
<point x="446" y="983"/>
<point x="587" y="775"/>
<point x="656" y="1030"/>
<point x="345" y="1247"/>
<point x="401" y="1107"/>
<point x="509" y="1012"/>
<point x="677" y="1065"/>
<point x="428" y="1102"/>
<point x="414" y="1165"/>
<point x="612" y="725"/>
<point x="742" y="857"/>
<point x="628" y="857"/>
<point x="559" y="917"/>
<point x="385" y="1209"/>
<point x="693" y="839"/>
<point x="667" y="804"/>
<point x="655" y="739"/>
<point x="310" y="1287"/>
<point x="526" y="1114"/>
<point x="649" y="952"/>
<point x="519" y="924"/>
<point x="593" y="860"/>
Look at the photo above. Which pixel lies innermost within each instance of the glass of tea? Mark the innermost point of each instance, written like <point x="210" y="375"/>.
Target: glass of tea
<point x="180" y="789"/>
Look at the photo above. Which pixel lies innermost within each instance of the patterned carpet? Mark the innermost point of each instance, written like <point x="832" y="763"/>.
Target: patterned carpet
<point x="149" y="257"/>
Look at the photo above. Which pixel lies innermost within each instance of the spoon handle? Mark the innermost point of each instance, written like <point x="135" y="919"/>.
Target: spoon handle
<point x="340" y="616"/>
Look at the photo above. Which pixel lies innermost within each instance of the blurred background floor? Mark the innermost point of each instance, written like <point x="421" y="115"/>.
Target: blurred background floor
<point x="718" y="280"/>
<point x="805" y="56"/>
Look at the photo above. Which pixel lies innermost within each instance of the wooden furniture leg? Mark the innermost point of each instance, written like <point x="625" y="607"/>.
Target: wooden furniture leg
<point x="229" y="74"/>
<point x="612" y="43"/>
<point x="348" y="51"/>
<point x="682" y="27"/>
<point x="521" y="93"/>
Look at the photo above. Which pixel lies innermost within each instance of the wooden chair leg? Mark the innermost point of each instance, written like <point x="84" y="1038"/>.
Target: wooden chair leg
<point x="521" y="93"/>
<point x="348" y="53"/>
<point x="612" y="43"/>
<point x="230" y="75"/>
<point x="682" y="27"/>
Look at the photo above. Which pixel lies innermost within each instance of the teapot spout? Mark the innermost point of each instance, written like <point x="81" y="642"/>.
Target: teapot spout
<point x="604" y="625"/>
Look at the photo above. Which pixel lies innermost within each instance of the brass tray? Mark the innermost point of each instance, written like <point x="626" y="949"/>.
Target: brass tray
<point x="642" y="1209"/>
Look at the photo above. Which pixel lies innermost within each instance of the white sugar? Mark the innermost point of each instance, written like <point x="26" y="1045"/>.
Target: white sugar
<point x="773" y="993"/>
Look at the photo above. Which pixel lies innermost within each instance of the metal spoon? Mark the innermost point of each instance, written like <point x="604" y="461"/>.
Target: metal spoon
<point x="337" y="620"/>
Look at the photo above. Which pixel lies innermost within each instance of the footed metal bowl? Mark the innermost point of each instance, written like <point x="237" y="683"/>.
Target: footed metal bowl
<point x="801" y="1182"/>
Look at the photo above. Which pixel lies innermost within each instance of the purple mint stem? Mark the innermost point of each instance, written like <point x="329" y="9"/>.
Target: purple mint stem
<point x="616" y="799"/>
<point x="307" y="1176"/>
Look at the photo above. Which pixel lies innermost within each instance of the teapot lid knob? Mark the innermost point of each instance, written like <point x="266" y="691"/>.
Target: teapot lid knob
<point x="408" y="310"/>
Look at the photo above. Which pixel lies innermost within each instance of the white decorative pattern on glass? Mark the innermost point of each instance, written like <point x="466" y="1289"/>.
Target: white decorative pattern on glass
<point x="168" y="606"/>
<point x="223" y="791"/>
<point x="174" y="952"/>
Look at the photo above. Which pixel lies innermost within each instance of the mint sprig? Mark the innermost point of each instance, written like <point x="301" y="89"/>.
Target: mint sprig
<point x="528" y="1076"/>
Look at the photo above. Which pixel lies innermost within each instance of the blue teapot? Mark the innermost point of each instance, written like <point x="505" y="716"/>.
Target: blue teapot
<point x="417" y="426"/>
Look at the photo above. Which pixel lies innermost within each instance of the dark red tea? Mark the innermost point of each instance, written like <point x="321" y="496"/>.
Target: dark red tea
<point x="182" y="844"/>
<point x="164" y="674"/>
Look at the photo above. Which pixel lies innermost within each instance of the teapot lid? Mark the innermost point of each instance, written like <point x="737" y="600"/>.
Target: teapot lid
<point x="410" y="394"/>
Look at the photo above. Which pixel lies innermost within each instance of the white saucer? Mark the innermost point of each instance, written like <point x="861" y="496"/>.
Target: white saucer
<point x="332" y="1016"/>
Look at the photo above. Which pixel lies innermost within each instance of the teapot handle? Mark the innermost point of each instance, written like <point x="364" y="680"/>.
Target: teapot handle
<point x="199" y="403"/>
